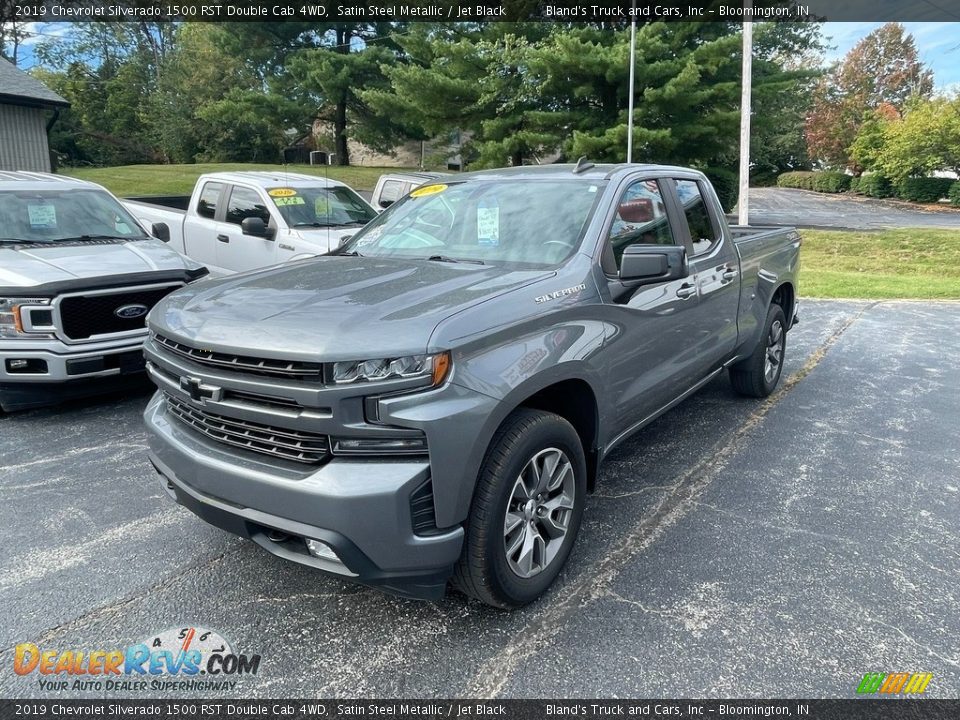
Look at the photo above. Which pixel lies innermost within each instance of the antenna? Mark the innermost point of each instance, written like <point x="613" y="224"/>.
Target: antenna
<point x="582" y="165"/>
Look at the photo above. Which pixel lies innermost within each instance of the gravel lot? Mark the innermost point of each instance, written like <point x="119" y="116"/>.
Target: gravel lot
<point x="802" y="208"/>
<point x="734" y="548"/>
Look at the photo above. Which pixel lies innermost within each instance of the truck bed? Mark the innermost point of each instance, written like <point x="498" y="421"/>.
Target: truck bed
<point x="170" y="202"/>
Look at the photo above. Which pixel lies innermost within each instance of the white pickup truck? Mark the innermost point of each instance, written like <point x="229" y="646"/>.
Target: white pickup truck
<point x="237" y="221"/>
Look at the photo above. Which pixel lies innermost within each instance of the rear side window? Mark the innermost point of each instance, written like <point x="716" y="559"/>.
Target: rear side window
<point x="641" y="218"/>
<point x="245" y="203"/>
<point x="703" y="232"/>
<point x="209" y="197"/>
<point x="392" y="191"/>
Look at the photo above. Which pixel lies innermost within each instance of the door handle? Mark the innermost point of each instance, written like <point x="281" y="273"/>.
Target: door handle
<point x="730" y="275"/>
<point x="223" y="238"/>
<point x="685" y="291"/>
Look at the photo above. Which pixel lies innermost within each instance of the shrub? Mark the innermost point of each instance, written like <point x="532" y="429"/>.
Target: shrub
<point x="801" y="179"/>
<point x="831" y="182"/>
<point x="954" y="194"/>
<point x="727" y="185"/>
<point x="854" y="184"/>
<point x="923" y="189"/>
<point x="875" y="186"/>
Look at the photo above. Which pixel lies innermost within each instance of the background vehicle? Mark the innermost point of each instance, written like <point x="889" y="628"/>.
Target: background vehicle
<point x="434" y="399"/>
<point x="247" y="220"/>
<point x="77" y="277"/>
<point x="393" y="186"/>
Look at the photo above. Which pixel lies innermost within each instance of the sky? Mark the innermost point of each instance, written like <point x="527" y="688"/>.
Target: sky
<point x="937" y="43"/>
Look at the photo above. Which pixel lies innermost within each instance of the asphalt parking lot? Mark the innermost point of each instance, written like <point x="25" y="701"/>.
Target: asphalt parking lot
<point x="802" y="208"/>
<point x="733" y="548"/>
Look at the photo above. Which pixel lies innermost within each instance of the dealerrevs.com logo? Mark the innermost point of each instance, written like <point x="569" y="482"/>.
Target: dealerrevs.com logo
<point x="187" y="658"/>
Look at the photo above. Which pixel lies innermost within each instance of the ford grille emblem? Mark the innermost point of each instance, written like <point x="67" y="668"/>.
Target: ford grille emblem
<point x="129" y="312"/>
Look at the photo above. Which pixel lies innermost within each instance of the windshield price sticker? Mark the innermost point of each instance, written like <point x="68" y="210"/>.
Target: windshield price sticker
<point x="488" y="225"/>
<point x="42" y="215"/>
<point x="281" y="192"/>
<point x="294" y="200"/>
<point x="428" y="190"/>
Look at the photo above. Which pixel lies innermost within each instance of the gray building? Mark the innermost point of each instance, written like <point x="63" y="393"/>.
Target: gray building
<point x="25" y="110"/>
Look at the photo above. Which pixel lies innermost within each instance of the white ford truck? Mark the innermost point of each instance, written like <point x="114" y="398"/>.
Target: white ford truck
<point x="78" y="276"/>
<point x="236" y="221"/>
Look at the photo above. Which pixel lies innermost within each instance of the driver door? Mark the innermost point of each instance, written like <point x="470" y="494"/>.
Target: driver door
<point x="651" y="351"/>
<point x="238" y="252"/>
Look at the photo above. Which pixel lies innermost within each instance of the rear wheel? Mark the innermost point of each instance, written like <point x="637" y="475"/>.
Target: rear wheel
<point x="759" y="374"/>
<point x="526" y="510"/>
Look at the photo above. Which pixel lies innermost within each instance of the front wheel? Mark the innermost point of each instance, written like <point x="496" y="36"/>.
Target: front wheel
<point x="759" y="374"/>
<point x="526" y="510"/>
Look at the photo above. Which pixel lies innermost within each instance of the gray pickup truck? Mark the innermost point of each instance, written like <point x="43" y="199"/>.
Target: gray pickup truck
<point x="78" y="275"/>
<point x="431" y="403"/>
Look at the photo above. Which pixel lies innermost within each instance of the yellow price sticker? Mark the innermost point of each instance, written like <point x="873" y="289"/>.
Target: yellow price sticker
<point x="281" y="192"/>
<point x="428" y="190"/>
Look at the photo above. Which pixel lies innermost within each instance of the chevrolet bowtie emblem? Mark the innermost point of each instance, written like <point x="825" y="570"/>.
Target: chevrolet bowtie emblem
<point x="199" y="391"/>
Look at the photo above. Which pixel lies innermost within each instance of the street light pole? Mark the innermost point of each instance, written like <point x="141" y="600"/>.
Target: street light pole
<point x="745" y="92"/>
<point x="633" y="63"/>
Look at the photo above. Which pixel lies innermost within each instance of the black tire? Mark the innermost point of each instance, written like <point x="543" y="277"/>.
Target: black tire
<point x="753" y="377"/>
<point x="485" y="571"/>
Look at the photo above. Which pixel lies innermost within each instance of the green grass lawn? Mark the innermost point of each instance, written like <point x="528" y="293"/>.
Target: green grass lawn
<point x="129" y="180"/>
<point x="913" y="263"/>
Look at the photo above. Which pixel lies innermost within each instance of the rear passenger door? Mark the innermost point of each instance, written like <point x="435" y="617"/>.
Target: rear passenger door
<point x="201" y="222"/>
<point x="714" y="267"/>
<point x="238" y="252"/>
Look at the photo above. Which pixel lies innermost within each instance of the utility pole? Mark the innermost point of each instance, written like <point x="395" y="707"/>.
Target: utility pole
<point x="745" y="93"/>
<point x="633" y="64"/>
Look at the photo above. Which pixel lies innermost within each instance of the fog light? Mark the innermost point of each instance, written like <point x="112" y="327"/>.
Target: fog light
<point x="321" y="550"/>
<point x="31" y="366"/>
<point x="383" y="446"/>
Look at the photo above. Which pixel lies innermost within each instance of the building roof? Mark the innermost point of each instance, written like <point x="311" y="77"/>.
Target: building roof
<point x="18" y="88"/>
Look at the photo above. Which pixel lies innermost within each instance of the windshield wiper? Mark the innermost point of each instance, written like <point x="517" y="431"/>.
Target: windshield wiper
<point x="85" y="238"/>
<point x="26" y="241"/>
<point x="327" y="224"/>
<point x="448" y="259"/>
<point x="346" y="253"/>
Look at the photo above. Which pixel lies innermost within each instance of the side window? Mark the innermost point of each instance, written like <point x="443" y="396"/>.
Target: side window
<point x="246" y="203"/>
<point x="209" y="196"/>
<point x="703" y="232"/>
<point x="391" y="192"/>
<point x="641" y="218"/>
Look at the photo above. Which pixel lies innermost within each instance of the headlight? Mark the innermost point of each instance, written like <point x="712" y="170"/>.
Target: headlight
<point x="434" y="367"/>
<point x="14" y="322"/>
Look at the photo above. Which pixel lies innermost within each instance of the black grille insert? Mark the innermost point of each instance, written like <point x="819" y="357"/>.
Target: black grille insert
<point x="242" y="363"/>
<point x="302" y="447"/>
<point x="422" y="511"/>
<point x="84" y="316"/>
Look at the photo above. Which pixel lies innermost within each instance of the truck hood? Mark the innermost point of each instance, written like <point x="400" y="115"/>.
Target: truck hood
<point x="332" y="308"/>
<point x="37" y="265"/>
<point x="322" y="240"/>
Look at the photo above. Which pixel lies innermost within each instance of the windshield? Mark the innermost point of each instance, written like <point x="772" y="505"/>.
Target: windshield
<point x="537" y="222"/>
<point x="321" y="207"/>
<point x="58" y="215"/>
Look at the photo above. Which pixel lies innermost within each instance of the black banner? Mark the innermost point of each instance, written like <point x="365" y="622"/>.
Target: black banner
<point x="618" y="11"/>
<point x="852" y="709"/>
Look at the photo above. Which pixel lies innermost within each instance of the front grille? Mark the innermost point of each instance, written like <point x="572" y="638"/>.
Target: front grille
<point x="84" y="316"/>
<point x="262" y="366"/>
<point x="264" y="439"/>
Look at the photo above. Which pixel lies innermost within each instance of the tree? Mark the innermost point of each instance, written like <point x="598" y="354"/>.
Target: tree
<point x="872" y="136"/>
<point x="882" y="68"/>
<point x="926" y="140"/>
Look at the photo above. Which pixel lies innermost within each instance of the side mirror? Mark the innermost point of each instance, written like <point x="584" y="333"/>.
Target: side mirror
<point x="161" y="231"/>
<point x="256" y="227"/>
<point x="649" y="264"/>
<point x="386" y="203"/>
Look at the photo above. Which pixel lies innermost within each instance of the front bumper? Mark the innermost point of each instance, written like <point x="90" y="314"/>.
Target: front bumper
<point x="360" y="508"/>
<point x="56" y="371"/>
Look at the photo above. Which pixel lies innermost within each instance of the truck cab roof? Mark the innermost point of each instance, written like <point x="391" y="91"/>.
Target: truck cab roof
<point x="269" y="179"/>
<point x="600" y="171"/>
<point x="29" y="181"/>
